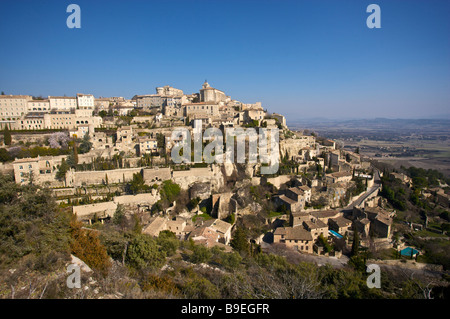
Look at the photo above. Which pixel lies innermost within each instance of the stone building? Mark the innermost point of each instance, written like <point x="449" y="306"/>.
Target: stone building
<point x="35" y="170"/>
<point x="12" y="107"/>
<point x="63" y="103"/>
<point x="380" y="220"/>
<point x="201" y="110"/>
<point x="316" y="228"/>
<point x="147" y="145"/>
<point x="85" y="101"/>
<point x="211" y="95"/>
<point x="338" y="177"/>
<point x="294" y="237"/>
<point x="340" y="224"/>
<point x="38" y="106"/>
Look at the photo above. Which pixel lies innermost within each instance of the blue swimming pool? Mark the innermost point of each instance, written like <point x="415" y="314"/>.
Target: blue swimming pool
<point x="407" y="251"/>
<point x="332" y="232"/>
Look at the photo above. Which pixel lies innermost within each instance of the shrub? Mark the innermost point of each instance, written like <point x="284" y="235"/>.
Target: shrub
<point x="143" y="252"/>
<point x="200" y="254"/>
<point x="86" y="245"/>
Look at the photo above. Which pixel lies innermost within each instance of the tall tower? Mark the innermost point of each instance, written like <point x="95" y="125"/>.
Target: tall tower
<point x="206" y="85"/>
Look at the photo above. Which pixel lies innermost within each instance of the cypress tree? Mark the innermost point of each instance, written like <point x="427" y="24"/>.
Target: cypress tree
<point x="7" y="135"/>
<point x="355" y="244"/>
<point x="75" y="153"/>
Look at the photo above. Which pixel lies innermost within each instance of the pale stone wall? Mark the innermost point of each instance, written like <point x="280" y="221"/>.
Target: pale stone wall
<point x="209" y="174"/>
<point x="99" y="177"/>
<point x="154" y="174"/>
<point x="293" y="146"/>
<point x="101" y="209"/>
<point x="279" y="180"/>
<point x="147" y="198"/>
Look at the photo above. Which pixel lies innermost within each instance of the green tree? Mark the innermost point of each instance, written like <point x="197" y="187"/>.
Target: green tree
<point x="72" y="158"/>
<point x="75" y="153"/>
<point x="137" y="183"/>
<point x="326" y="246"/>
<point x="86" y="144"/>
<point x="355" y="244"/>
<point x="169" y="191"/>
<point x="62" y="170"/>
<point x="200" y="254"/>
<point x="119" y="217"/>
<point x="4" y="155"/>
<point x="7" y="136"/>
<point x="168" y="242"/>
<point x="240" y="242"/>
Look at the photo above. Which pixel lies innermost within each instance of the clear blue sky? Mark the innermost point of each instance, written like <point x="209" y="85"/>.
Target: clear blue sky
<point x="301" y="58"/>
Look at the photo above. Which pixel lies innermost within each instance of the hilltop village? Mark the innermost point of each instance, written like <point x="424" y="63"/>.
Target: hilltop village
<point x="100" y="156"/>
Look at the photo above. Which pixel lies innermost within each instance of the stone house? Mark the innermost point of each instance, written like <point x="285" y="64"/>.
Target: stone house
<point x="212" y="232"/>
<point x="325" y="215"/>
<point x="340" y="224"/>
<point x="316" y="228"/>
<point x="290" y="204"/>
<point x="38" y="170"/>
<point x="297" y="218"/>
<point x="294" y="237"/>
<point x="337" y="177"/>
<point x="380" y="219"/>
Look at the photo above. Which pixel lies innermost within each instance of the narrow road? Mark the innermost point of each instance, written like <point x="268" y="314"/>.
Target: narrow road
<point x="367" y="193"/>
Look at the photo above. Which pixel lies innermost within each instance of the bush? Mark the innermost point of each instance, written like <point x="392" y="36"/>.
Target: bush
<point x="168" y="242"/>
<point x="200" y="288"/>
<point x="200" y="254"/>
<point x="86" y="245"/>
<point x="170" y="190"/>
<point x="143" y="252"/>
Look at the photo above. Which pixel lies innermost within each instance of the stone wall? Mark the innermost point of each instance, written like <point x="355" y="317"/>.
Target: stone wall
<point x="156" y="174"/>
<point x="146" y="198"/>
<point x="211" y="174"/>
<point x="99" y="177"/>
<point x="277" y="181"/>
<point x="102" y="210"/>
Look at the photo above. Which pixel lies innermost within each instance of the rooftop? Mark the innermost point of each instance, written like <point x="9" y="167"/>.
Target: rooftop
<point x="155" y="226"/>
<point x="313" y="225"/>
<point x="341" y="174"/>
<point x="341" y="221"/>
<point x="326" y="213"/>
<point x="219" y="225"/>
<point x="294" y="233"/>
<point x="286" y="199"/>
<point x="296" y="190"/>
